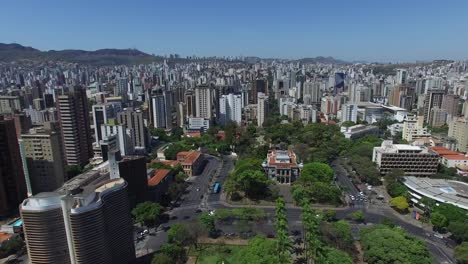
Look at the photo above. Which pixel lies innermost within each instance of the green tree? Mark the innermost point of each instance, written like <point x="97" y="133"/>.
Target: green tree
<point x="208" y="222"/>
<point x="259" y="251"/>
<point x="334" y="256"/>
<point x="254" y="183"/>
<point x="358" y="216"/>
<point x="459" y="230"/>
<point x="175" y="251"/>
<point x="316" y="171"/>
<point x="310" y="221"/>
<point x="461" y="253"/>
<point x="11" y="246"/>
<point x="400" y="203"/>
<point x="281" y="225"/>
<point x="438" y="220"/>
<point x="179" y="234"/>
<point x="147" y="213"/>
<point x="161" y="259"/>
<point x="348" y="124"/>
<point x="73" y="170"/>
<point x="171" y="152"/>
<point x="382" y="244"/>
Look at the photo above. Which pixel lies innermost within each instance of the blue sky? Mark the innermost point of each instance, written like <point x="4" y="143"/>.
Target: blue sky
<point x="374" y="30"/>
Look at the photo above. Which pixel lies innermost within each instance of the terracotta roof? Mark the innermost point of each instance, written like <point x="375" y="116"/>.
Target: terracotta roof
<point x="189" y="157"/>
<point x="4" y="237"/>
<point x="193" y="134"/>
<point x="444" y="151"/>
<point x="455" y="157"/>
<point x="158" y="176"/>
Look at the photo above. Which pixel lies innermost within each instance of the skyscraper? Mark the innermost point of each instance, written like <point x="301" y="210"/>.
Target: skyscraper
<point x="42" y="150"/>
<point x="402" y="76"/>
<point x="311" y="93"/>
<point x="339" y="83"/>
<point x="450" y="103"/>
<point x="258" y="86"/>
<point x="75" y="127"/>
<point x="161" y="110"/>
<point x="204" y="102"/>
<point x="12" y="182"/>
<point x="230" y="108"/>
<point x="433" y="99"/>
<point x="102" y="113"/>
<point x="133" y="119"/>
<point x="349" y="113"/>
<point x="262" y="109"/>
<point x="89" y="226"/>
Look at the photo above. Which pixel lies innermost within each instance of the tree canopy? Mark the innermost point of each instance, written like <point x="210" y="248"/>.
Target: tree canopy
<point x="400" y="203"/>
<point x="147" y="213"/>
<point x="461" y="253"/>
<point x="260" y="250"/>
<point x="382" y="244"/>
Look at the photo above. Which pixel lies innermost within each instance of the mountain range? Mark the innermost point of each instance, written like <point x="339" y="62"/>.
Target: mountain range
<point x="16" y="52"/>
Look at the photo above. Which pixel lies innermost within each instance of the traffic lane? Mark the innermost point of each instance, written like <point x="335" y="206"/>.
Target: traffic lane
<point x="228" y="165"/>
<point x="200" y="184"/>
<point x="342" y="177"/>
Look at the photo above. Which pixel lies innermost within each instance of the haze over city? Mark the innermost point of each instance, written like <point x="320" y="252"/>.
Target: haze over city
<point x="382" y="31"/>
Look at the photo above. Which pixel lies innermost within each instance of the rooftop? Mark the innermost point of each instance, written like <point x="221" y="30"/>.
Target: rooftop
<point x="158" y="176"/>
<point x="444" y="191"/>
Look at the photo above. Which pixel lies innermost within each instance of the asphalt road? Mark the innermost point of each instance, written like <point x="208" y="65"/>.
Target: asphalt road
<point x="187" y="211"/>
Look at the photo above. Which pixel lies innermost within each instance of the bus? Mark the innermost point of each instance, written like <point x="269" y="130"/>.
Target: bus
<point x="216" y="187"/>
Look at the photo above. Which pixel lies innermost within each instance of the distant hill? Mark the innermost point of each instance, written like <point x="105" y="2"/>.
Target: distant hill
<point x="320" y="59"/>
<point x="16" y="52"/>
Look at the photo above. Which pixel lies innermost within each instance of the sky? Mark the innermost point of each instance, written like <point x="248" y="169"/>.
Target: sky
<point x="352" y="30"/>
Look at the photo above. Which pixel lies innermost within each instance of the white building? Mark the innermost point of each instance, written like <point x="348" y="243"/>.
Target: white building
<point x="197" y="124"/>
<point x="161" y="111"/>
<point x="203" y="101"/>
<point x="349" y="113"/>
<point x="262" y="108"/>
<point x="102" y="113"/>
<point x="123" y="136"/>
<point x="413" y="128"/>
<point x="230" y="108"/>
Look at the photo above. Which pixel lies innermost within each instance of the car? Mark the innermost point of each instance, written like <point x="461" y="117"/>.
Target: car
<point x="438" y="235"/>
<point x="174" y="217"/>
<point x="146" y="231"/>
<point x="361" y="193"/>
<point x="186" y="217"/>
<point x="198" y="189"/>
<point x="198" y="211"/>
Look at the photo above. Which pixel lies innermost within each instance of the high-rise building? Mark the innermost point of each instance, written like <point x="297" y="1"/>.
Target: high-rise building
<point x="432" y="99"/>
<point x="123" y="134"/>
<point x="339" y="83"/>
<point x="450" y="103"/>
<point x="133" y="170"/>
<point x="402" y="76"/>
<point x="190" y="103"/>
<point x="311" y="93"/>
<point x="438" y="117"/>
<point x="9" y="104"/>
<point x="75" y="126"/>
<point x="258" y="86"/>
<point x="349" y="113"/>
<point x="12" y="182"/>
<point x="204" y="101"/>
<point x="262" y="109"/>
<point x="87" y="226"/>
<point x="133" y="119"/>
<point x="42" y="150"/>
<point x="161" y="110"/>
<point x="102" y="113"/>
<point x="230" y="108"/>
<point x="413" y="128"/>
<point x="458" y="129"/>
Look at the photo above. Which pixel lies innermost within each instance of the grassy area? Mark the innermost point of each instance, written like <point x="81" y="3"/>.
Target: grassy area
<point x="214" y="254"/>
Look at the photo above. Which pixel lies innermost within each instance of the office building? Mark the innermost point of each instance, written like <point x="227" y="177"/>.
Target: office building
<point x="450" y="103"/>
<point x="258" y="86"/>
<point x="438" y="117"/>
<point x="102" y="113"/>
<point x="359" y="131"/>
<point x="42" y="150"/>
<point x="339" y="83"/>
<point x="458" y="129"/>
<point x="190" y="103"/>
<point x="133" y="119"/>
<point x="262" y="109"/>
<point x="12" y="181"/>
<point x="349" y="113"/>
<point x="413" y="128"/>
<point x="9" y="104"/>
<point x="133" y="170"/>
<point x="413" y="160"/>
<point x="196" y="124"/>
<point x="230" y="109"/>
<point x="204" y="102"/>
<point x="311" y="94"/>
<point x="161" y="110"/>
<point x="282" y="166"/>
<point x="401" y="76"/>
<point x="123" y="135"/>
<point x="91" y="225"/>
<point x="432" y="99"/>
<point x="75" y="126"/>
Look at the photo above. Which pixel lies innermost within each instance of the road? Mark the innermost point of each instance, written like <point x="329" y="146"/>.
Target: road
<point x="187" y="211"/>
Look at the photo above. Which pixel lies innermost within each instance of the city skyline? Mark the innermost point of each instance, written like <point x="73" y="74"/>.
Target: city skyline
<point x="351" y="31"/>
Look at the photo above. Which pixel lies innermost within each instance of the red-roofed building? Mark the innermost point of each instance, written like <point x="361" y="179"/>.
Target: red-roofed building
<point x="450" y="158"/>
<point x="159" y="183"/>
<point x="191" y="161"/>
<point x="282" y="166"/>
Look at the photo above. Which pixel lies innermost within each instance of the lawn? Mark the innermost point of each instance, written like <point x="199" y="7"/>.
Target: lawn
<point x="214" y="254"/>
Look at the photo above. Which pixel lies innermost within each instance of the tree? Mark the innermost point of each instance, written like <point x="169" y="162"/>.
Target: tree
<point x="316" y="171"/>
<point x="254" y="183"/>
<point x="459" y="230"/>
<point x="400" y="203"/>
<point x="337" y="234"/>
<point x="147" y="213"/>
<point x="333" y="256"/>
<point x="171" y="152"/>
<point x="281" y="225"/>
<point x="73" y="170"/>
<point x="461" y="253"/>
<point x="382" y="244"/>
<point x="11" y="246"/>
<point x="312" y="243"/>
<point x="179" y="234"/>
<point x="358" y="216"/>
<point x="208" y="222"/>
<point x="259" y="251"/>
<point x="439" y="221"/>
<point x="395" y="189"/>
<point x="175" y="251"/>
